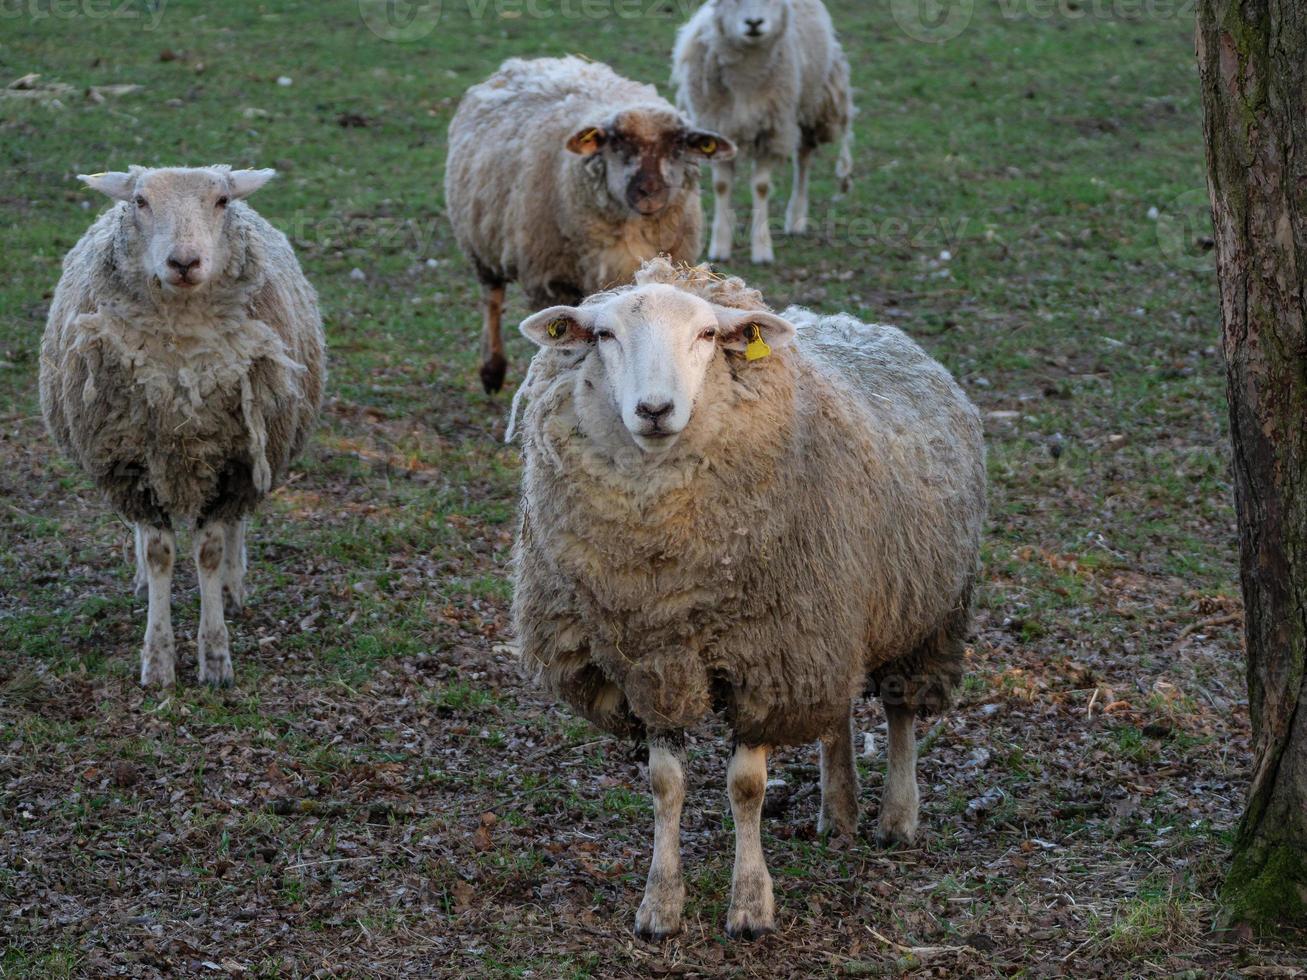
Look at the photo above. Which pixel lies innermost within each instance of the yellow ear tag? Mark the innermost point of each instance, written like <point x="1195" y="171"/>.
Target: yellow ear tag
<point x="757" y="348"/>
<point x="556" y="328"/>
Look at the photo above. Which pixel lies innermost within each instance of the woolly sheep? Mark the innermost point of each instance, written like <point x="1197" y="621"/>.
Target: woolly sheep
<point x="721" y="515"/>
<point x="182" y="368"/>
<point x="771" y="76"/>
<point x="565" y="176"/>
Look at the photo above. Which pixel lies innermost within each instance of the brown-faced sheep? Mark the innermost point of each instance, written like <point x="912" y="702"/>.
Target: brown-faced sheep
<point x="565" y="176"/>
<point x="721" y="516"/>
<point x="182" y="368"/>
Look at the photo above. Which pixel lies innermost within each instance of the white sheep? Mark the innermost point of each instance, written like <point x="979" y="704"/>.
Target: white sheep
<point x="771" y="76"/>
<point x="721" y="517"/>
<point x="565" y="176"/>
<point x="182" y="368"/>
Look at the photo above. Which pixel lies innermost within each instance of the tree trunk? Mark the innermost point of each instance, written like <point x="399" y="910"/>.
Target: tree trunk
<point x="1253" y="59"/>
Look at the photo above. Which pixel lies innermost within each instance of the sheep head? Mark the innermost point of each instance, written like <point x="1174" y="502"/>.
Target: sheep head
<point x="751" y="23"/>
<point x="646" y="155"/>
<point x="179" y="216"/>
<point x="655" y="344"/>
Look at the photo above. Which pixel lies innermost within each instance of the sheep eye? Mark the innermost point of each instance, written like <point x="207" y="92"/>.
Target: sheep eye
<point x="604" y="335"/>
<point x="141" y="202"/>
<point x="709" y="334"/>
<point x="223" y="201"/>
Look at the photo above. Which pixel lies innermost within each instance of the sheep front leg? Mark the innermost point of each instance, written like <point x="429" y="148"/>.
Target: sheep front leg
<point x="723" y="225"/>
<point x="901" y="801"/>
<point x="493" y="363"/>
<point x="839" y="782"/>
<point x="157" y="550"/>
<point x="214" y="650"/>
<point x="664" y="891"/>
<point x="796" y="212"/>
<point x="234" y="563"/>
<point x="760" y="235"/>
<point x="752" y="912"/>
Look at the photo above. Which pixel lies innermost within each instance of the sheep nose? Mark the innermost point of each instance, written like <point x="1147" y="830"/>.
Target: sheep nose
<point x="185" y="264"/>
<point x="754" y="23"/>
<point x="652" y="412"/>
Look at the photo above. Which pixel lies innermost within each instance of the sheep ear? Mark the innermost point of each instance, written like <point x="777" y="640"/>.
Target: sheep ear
<point x="704" y="145"/>
<point x="118" y="185"/>
<point x="742" y="330"/>
<point x="246" y="182"/>
<point x="587" y="142"/>
<point x="560" y="327"/>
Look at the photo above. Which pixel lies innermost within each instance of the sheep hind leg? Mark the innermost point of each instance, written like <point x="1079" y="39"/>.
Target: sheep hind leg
<point x="796" y="212"/>
<point x="723" y="225"/>
<point x="493" y="363"/>
<point x="753" y="909"/>
<point x="659" y="915"/>
<point x="158" y="548"/>
<point x="234" y="563"/>
<point x="901" y="800"/>
<point x="141" y="581"/>
<point x="761" y="251"/>
<point x="214" y="648"/>
<point x="839" y="782"/>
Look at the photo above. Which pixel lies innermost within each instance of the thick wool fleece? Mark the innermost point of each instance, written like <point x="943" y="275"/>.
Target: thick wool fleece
<point x="818" y="520"/>
<point x="524" y="208"/>
<point x="770" y="101"/>
<point x="183" y="407"/>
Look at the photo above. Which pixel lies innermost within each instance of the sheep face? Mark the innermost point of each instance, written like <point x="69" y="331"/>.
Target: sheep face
<point x="177" y="218"/>
<point x="646" y="156"/>
<point x="655" y="344"/>
<point x="751" y="23"/>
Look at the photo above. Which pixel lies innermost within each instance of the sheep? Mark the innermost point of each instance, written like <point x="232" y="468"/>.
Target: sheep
<point x="565" y="176"/>
<point x="182" y="368"/>
<point x="771" y="76"/>
<point x="726" y="511"/>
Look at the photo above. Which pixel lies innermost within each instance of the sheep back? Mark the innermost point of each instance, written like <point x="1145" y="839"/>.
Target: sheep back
<point x="190" y="411"/>
<point x="821" y="522"/>
<point x="524" y="208"/>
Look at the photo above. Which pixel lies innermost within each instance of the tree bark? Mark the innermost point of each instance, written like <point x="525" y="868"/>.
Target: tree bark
<point x="1253" y="60"/>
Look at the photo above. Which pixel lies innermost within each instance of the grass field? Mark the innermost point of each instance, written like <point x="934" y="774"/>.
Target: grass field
<point x="382" y="793"/>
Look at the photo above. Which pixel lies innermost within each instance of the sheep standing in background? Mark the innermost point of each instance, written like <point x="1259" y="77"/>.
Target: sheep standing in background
<point x="771" y="76"/>
<point x="565" y="176"/>
<point x="182" y="368"/>
<point x="717" y="519"/>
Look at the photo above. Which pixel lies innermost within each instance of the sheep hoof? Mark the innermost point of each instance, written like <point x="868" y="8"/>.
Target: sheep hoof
<point x="655" y="926"/>
<point x="157" y="665"/>
<point x="492" y="373"/>
<point x="748" y="926"/>
<point x="764" y="257"/>
<point x="233" y="600"/>
<point x="216" y="670"/>
<point x="889" y="835"/>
